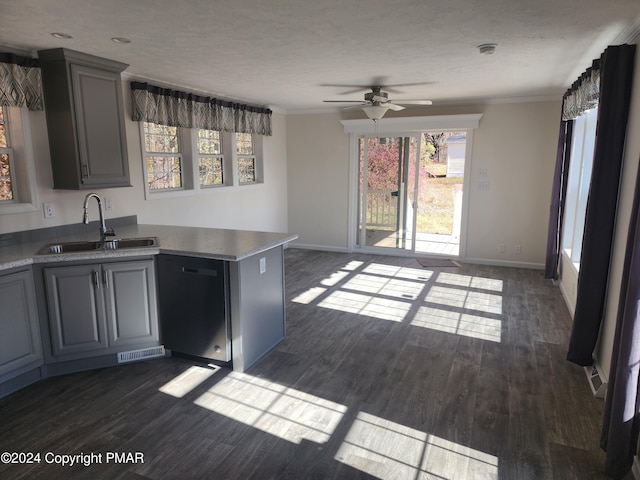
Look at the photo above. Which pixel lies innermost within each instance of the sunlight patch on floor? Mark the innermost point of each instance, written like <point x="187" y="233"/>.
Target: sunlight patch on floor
<point x="188" y="380"/>
<point x="465" y="299"/>
<point x="390" y="287"/>
<point x="285" y="412"/>
<point x="470" y="281"/>
<point x="309" y="296"/>
<point x="449" y="302"/>
<point x="451" y="321"/>
<point x="334" y="278"/>
<point x="353" y="265"/>
<point x="398" y="272"/>
<point x="368" y="305"/>
<point x="389" y="451"/>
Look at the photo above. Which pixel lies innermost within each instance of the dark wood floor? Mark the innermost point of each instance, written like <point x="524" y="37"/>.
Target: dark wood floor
<point x="389" y="370"/>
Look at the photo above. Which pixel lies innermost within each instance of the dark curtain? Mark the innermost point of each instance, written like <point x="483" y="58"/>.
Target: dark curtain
<point x="616" y="75"/>
<point x="558" y="195"/>
<point x="622" y="408"/>
<point x="176" y="108"/>
<point x="20" y="82"/>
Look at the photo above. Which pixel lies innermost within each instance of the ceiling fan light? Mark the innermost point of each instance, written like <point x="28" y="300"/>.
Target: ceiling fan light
<point x="375" y="112"/>
<point x="487" y="48"/>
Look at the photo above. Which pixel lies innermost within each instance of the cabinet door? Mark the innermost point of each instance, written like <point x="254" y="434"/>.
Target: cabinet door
<point x="97" y="96"/>
<point x="76" y="309"/>
<point x="20" y="342"/>
<point x="130" y="295"/>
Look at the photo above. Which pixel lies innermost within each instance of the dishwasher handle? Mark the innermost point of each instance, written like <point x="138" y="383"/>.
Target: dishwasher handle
<point x="200" y="271"/>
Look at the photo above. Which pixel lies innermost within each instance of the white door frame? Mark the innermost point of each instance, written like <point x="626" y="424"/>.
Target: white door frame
<point x="404" y="126"/>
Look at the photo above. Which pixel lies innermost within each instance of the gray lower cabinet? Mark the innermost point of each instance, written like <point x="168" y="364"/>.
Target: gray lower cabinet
<point x="96" y="308"/>
<point x="20" y="344"/>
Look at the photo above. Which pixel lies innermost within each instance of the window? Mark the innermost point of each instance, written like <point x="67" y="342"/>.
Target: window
<point x="210" y="158"/>
<point x="582" y="150"/>
<point x="246" y="158"/>
<point x="188" y="161"/>
<point x="18" y="191"/>
<point x="163" y="157"/>
<point x="6" y="162"/>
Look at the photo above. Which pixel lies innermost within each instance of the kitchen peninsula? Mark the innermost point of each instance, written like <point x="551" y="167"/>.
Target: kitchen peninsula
<point x="254" y="294"/>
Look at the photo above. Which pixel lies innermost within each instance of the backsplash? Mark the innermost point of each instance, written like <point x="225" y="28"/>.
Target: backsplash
<point x="26" y="236"/>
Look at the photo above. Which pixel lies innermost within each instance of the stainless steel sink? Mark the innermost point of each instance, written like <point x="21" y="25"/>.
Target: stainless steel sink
<point x="89" y="246"/>
<point x="137" y="242"/>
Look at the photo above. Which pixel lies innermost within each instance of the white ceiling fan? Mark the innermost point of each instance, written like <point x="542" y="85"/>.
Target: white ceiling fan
<point x="376" y="103"/>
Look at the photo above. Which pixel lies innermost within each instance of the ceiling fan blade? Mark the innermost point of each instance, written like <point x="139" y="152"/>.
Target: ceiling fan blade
<point x="414" y="102"/>
<point x="396" y="87"/>
<point x="344" y="101"/>
<point x="352" y="88"/>
<point x="351" y="107"/>
<point x="393" y="106"/>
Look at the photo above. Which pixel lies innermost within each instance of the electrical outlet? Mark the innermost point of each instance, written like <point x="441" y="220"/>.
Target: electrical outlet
<point x="502" y="248"/>
<point x="517" y="249"/>
<point x="263" y="265"/>
<point x="49" y="211"/>
<point x="107" y="203"/>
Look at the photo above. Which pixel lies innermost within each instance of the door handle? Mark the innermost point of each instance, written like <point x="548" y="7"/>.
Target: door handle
<point x="96" y="279"/>
<point x="105" y="279"/>
<point x="200" y="271"/>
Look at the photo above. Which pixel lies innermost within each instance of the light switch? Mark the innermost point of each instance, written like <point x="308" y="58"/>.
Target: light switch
<point x="49" y="211"/>
<point x="263" y="265"/>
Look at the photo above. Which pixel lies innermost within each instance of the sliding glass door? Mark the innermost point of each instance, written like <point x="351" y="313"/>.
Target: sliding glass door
<point x="410" y="191"/>
<point x="387" y="192"/>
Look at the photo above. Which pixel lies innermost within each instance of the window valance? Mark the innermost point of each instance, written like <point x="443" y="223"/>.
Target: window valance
<point x="181" y="109"/>
<point x="20" y="82"/>
<point x="583" y="94"/>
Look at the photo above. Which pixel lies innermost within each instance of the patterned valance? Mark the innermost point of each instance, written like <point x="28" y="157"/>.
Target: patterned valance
<point x="181" y="109"/>
<point x="583" y="94"/>
<point x="20" y="82"/>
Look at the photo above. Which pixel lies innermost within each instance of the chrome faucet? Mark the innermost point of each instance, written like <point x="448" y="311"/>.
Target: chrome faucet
<point x="104" y="233"/>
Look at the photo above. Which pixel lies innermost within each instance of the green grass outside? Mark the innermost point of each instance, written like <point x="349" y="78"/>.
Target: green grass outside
<point x="436" y="202"/>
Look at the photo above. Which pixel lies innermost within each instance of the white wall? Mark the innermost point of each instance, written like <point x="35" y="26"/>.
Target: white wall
<point x="251" y="207"/>
<point x="515" y="142"/>
<point x="318" y="179"/>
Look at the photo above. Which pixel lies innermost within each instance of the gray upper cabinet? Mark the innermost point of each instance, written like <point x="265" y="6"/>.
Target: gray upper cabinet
<point x="20" y="345"/>
<point x="85" y="120"/>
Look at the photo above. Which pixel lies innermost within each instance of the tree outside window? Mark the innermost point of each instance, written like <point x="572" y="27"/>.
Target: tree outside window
<point x="6" y="170"/>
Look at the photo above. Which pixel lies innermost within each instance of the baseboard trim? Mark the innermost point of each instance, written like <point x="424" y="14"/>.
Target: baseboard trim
<point x="567" y="300"/>
<point x="503" y="263"/>
<point x="478" y="261"/>
<point x="324" y="248"/>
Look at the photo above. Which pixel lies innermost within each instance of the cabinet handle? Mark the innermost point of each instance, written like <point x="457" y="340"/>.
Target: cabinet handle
<point x="105" y="279"/>
<point x="96" y="279"/>
<point x="85" y="172"/>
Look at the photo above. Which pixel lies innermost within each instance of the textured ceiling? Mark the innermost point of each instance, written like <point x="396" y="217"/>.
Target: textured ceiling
<point x="288" y="53"/>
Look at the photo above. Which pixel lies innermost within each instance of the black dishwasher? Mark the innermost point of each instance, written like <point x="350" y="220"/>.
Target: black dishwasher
<point x="193" y="308"/>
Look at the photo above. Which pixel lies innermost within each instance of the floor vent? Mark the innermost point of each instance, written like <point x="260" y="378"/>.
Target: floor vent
<point x="598" y="387"/>
<point x="141" y="354"/>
